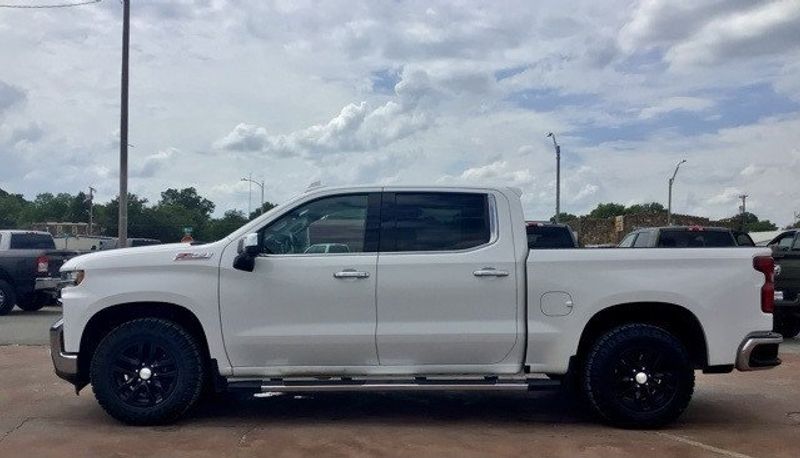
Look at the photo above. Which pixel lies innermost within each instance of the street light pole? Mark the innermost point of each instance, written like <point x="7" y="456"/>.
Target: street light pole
<point x="260" y="185"/>
<point x="669" y="200"/>
<point x="557" y="148"/>
<point x="122" y="230"/>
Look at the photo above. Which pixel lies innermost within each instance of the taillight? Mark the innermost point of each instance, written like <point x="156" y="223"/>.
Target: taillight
<point x="766" y="265"/>
<point x="42" y="265"/>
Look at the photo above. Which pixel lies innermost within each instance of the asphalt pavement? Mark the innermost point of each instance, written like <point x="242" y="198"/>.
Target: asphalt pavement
<point x="737" y="415"/>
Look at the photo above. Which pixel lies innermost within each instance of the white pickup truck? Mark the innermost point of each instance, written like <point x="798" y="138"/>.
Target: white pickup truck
<point x="437" y="290"/>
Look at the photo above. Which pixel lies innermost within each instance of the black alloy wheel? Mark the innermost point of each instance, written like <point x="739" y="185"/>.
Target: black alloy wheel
<point x="148" y="371"/>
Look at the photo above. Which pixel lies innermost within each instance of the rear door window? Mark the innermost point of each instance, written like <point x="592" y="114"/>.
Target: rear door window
<point x="31" y="242"/>
<point x="435" y="221"/>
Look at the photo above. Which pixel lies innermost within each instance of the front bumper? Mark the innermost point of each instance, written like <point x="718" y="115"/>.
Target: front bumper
<point x="65" y="364"/>
<point x="759" y="351"/>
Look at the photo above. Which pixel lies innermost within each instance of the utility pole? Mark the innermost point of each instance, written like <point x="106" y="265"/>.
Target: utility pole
<point x="669" y="199"/>
<point x="557" y="148"/>
<point x="742" y="210"/>
<point x="122" y="233"/>
<point x="90" y="199"/>
<point x="260" y="185"/>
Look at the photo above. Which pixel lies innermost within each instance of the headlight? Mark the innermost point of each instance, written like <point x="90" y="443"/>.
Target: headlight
<point x="72" y="278"/>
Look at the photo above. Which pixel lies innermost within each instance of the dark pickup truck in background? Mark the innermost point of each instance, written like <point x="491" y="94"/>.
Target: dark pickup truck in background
<point x="542" y="235"/>
<point x="29" y="270"/>
<point x="685" y="237"/>
<point x="786" y="252"/>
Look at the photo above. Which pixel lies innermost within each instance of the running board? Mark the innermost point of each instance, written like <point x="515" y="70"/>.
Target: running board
<point x="419" y="384"/>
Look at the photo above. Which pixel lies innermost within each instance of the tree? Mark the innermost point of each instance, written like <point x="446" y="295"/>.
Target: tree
<point x="564" y="218"/>
<point x="230" y="221"/>
<point x="652" y="207"/>
<point x="188" y="199"/>
<point x="751" y="223"/>
<point x="260" y="211"/>
<point x="607" y="210"/>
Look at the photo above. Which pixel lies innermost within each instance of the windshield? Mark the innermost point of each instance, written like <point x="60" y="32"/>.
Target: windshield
<point x="32" y="242"/>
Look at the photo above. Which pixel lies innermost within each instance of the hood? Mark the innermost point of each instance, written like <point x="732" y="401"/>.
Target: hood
<point x="144" y="256"/>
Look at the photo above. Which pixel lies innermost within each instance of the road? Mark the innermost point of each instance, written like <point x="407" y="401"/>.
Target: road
<point x="736" y="415"/>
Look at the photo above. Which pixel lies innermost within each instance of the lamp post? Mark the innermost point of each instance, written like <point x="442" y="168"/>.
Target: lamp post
<point x="669" y="201"/>
<point x="122" y="231"/>
<point x="260" y="185"/>
<point x="557" y="149"/>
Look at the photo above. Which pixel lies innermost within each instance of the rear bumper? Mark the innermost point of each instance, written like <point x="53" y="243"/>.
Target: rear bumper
<point x="759" y="351"/>
<point x="65" y="364"/>
<point x="47" y="283"/>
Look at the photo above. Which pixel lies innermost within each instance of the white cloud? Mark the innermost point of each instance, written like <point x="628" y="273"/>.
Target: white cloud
<point x="287" y="91"/>
<point x="675" y="104"/>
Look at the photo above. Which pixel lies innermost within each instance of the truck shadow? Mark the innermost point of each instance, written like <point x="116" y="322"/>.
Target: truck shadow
<point x="411" y="408"/>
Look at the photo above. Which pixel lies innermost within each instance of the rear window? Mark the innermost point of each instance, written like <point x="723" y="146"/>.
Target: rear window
<point x="440" y="221"/>
<point x="695" y="239"/>
<point x="549" y="237"/>
<point x="645" y="240"/>
<point x="32" y="242"/>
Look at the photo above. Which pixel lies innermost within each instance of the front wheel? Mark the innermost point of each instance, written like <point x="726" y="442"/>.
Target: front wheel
<point x="638" y="376"/>
<point x="147" y="371"/>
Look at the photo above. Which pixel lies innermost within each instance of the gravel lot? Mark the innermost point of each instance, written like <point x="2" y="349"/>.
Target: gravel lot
<point x="736" y="415"/>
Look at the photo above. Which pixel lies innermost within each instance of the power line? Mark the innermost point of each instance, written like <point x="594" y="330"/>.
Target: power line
<point x="52" y="5"/>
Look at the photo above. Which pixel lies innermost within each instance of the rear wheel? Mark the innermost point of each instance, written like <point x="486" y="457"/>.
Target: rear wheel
<point x="638" y="376"/>
<point x="32" y="303"/>
<point x="787" y="326"/>
<point x="7" y="297"/>
<point x="147" y="371"/>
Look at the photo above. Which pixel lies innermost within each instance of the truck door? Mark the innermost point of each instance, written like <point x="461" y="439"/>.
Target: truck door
<point x="447" y="290"/>
<point x="310" y="299"/>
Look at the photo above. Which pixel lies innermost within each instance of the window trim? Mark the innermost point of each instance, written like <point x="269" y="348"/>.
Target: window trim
<point x="388" y="225"/>
<point x="371" y="226"/>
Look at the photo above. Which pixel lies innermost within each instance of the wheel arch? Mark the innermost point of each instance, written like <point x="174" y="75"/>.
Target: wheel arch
<point x="109" y="318"/>
<point x="676" y="319"/>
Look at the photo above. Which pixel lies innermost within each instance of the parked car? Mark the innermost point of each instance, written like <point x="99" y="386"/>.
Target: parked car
<point x="786" y="251"/>
<point x="29" y="265"/>
<point x="685" y="237"/>
<point x="438" y="291"/>
<point x="543" y="235"/>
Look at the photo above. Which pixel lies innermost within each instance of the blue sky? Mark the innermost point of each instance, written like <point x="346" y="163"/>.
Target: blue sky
<point x="413" y="92"/>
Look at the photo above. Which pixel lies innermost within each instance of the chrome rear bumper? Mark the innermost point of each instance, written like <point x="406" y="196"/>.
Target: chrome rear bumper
<point x="759" y="351"/>
<point x="65" y="364"/>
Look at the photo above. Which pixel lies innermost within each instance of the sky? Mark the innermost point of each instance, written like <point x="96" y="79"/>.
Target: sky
<point x="412" y="92"/>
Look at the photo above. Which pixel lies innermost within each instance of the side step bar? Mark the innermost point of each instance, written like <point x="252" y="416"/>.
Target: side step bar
<point x="419" y="384"/>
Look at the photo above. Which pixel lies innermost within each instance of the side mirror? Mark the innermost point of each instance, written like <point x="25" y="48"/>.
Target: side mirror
<point x="248" y="251"/>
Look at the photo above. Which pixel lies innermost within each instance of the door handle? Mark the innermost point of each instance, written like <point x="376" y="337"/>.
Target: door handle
<point x="490" y="272"/>
<point x="351" y="273"/>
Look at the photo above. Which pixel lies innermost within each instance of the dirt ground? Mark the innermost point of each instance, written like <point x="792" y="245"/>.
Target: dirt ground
<point x="736" y="415"/>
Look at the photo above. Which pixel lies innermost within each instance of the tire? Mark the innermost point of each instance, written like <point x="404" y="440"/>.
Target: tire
<point x="7" y="297"/>
<point x="31" y="303"/>
<point x="638" y="376"/>
<point x="787" y="326"/>
<point x="148" y="371"/>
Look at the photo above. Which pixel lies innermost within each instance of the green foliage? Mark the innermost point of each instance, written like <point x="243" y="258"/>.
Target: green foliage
<point x="752" y="223"/>
<point x="260" y="211"/>
<point x="652" y="207"/>
<point x="178" y="208"/>
<point x="564" y="218"/>
<point x="607" y="210"/>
